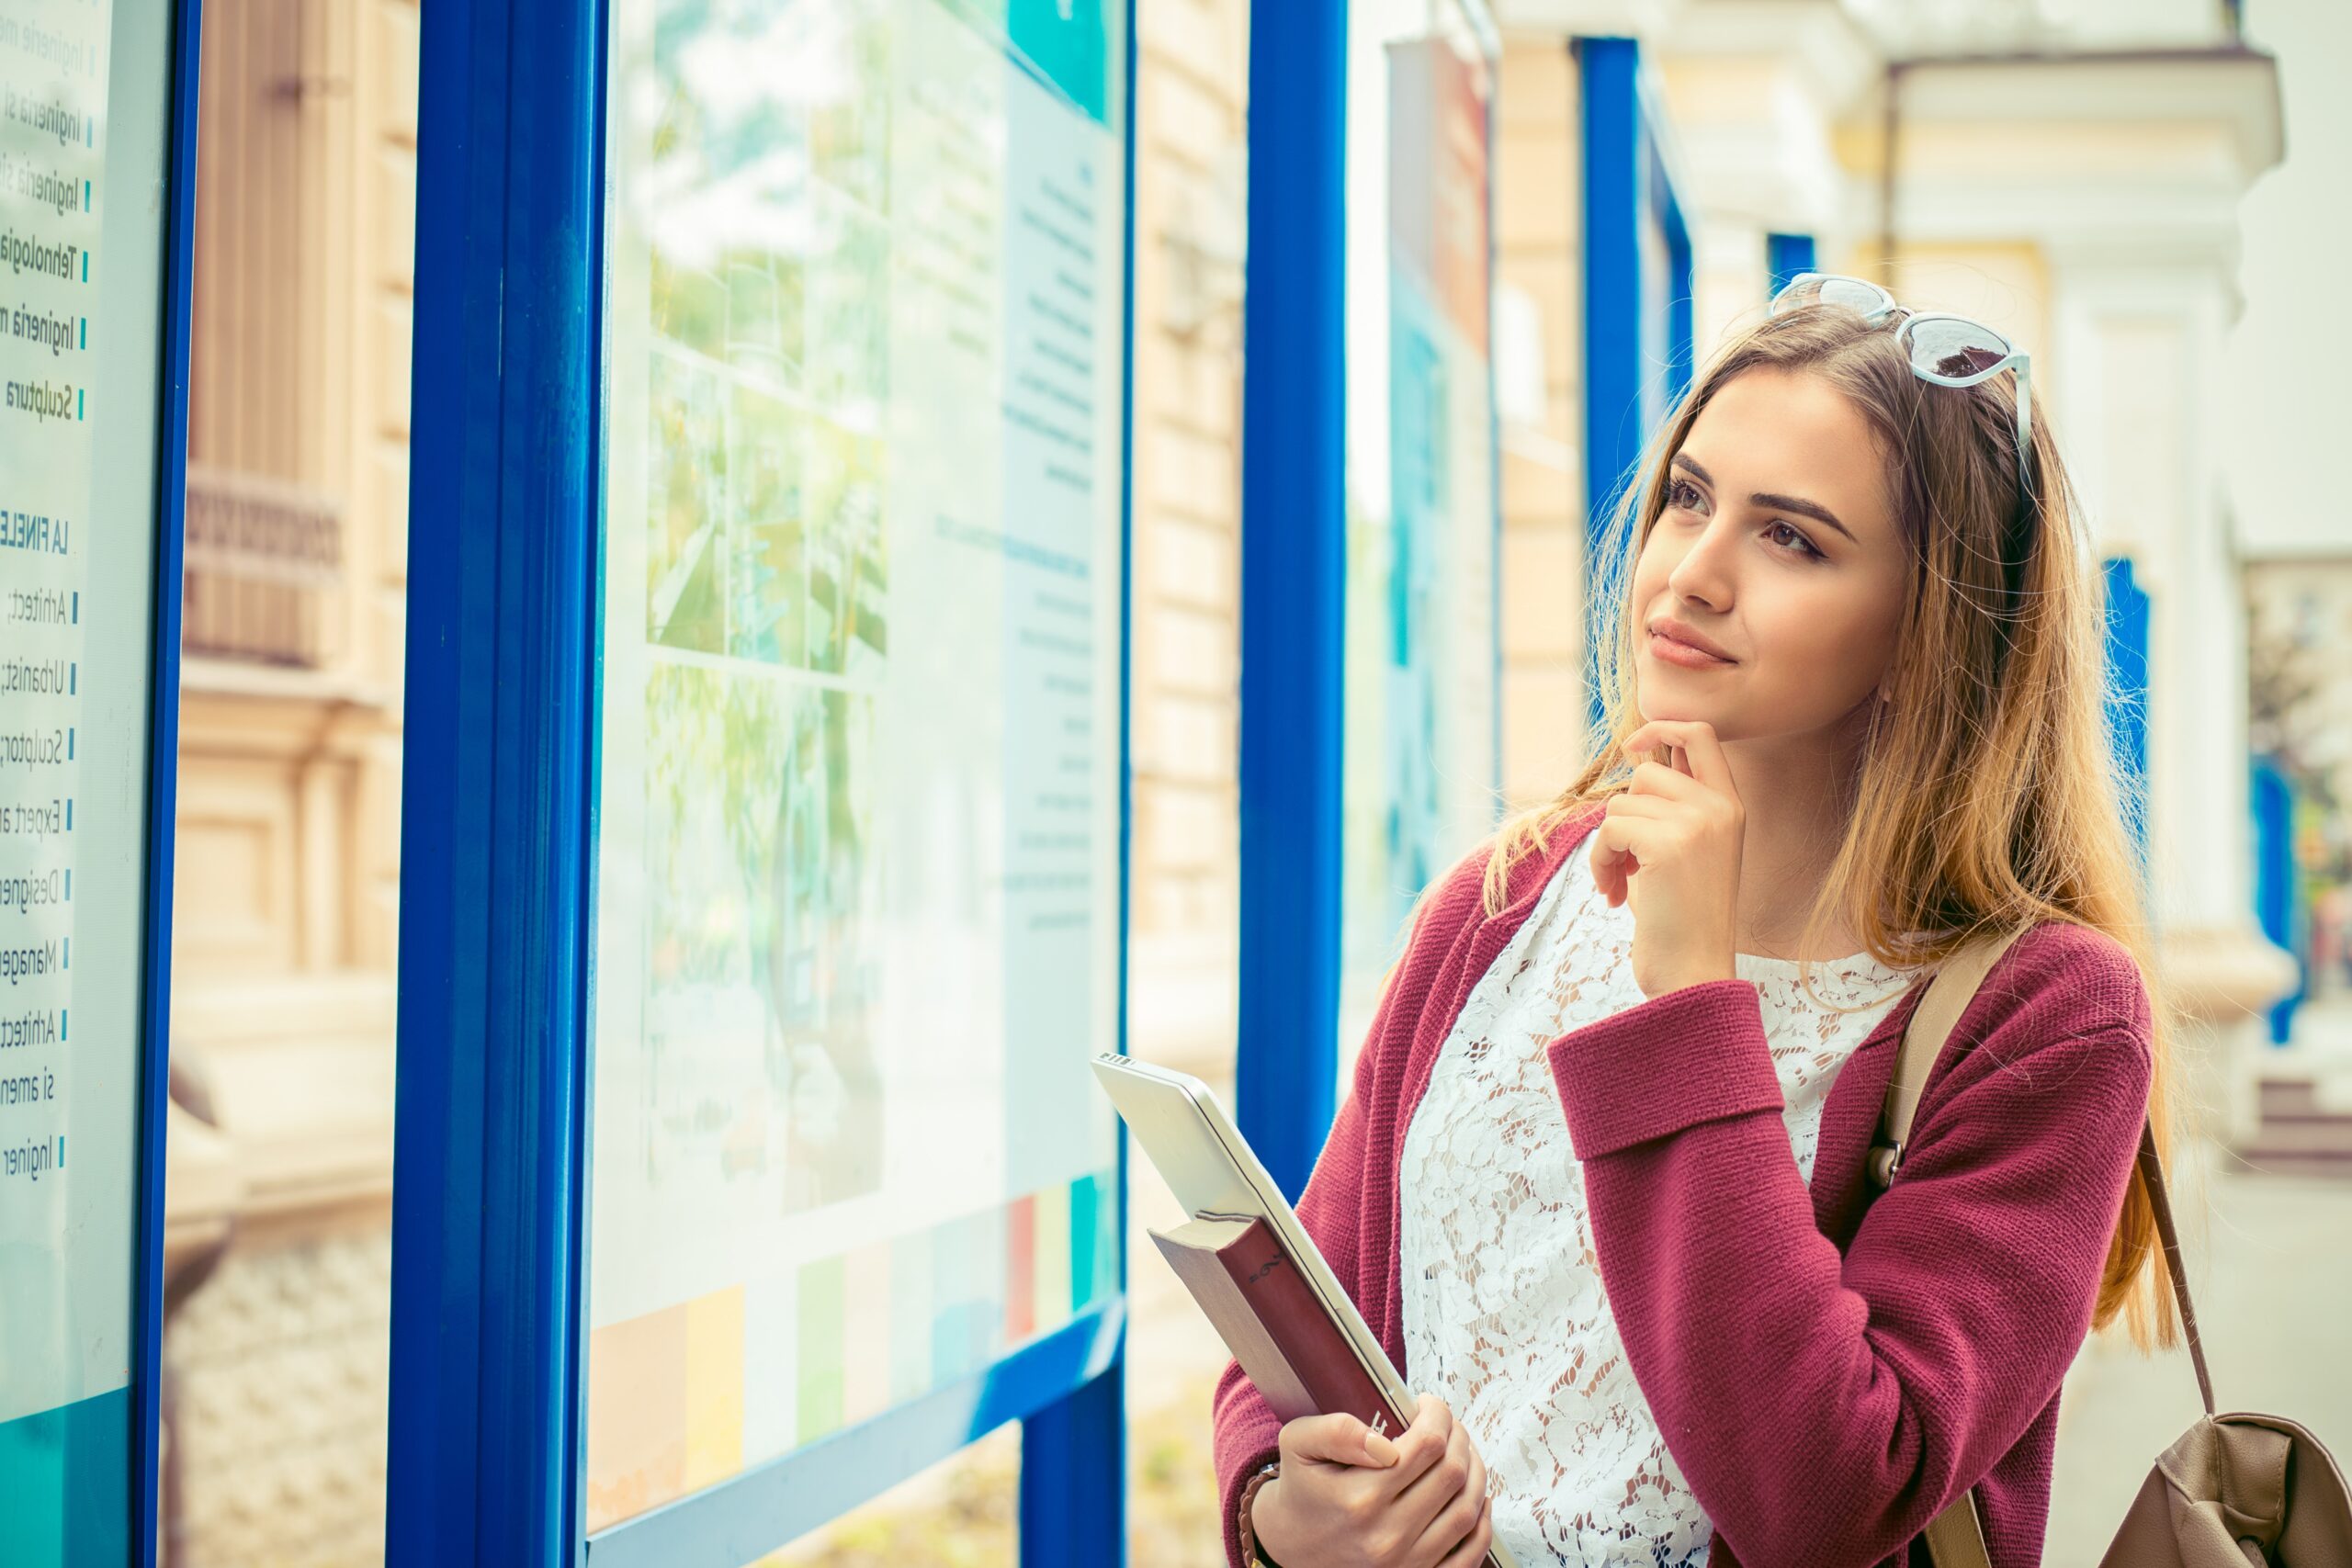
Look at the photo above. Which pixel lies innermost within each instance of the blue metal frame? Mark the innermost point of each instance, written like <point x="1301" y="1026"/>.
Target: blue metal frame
<point x="1785" y="255"/>
<point x="1293" y="548"/>
<point x="485" y="1441"/>
<point x="487" y="1305"/>
<point x="2279" y="903"/>
<point x="163" y="778"/>
<point x="1627" y="180"/>
<point x="2127" y="693"/>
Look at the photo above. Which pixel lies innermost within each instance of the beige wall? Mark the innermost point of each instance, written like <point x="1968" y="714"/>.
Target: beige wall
<point x="286" y="886"/>
<point x="1537" y="240"/>
<point x="1192" y="88"/>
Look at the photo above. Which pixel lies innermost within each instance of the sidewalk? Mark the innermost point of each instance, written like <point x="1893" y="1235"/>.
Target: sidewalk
<point x="2271" y="1268"/>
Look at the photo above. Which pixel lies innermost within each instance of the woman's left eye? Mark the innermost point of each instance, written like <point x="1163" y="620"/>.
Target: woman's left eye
<point x="1801" y="543"/>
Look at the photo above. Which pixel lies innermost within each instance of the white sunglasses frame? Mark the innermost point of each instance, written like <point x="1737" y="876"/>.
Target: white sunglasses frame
<point x="2011" y="358"/>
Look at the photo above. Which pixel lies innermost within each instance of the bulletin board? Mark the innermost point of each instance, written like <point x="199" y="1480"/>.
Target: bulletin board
<point x="94" y="140"/>
<point x="860" y="800"/>
<point x="764" y="800"/>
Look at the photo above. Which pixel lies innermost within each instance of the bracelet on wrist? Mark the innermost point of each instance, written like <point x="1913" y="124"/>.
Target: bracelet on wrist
<point x="1253" y="1553"/>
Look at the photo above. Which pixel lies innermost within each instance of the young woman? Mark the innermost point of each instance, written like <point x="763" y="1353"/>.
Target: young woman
<point x="1600" y="1182"/>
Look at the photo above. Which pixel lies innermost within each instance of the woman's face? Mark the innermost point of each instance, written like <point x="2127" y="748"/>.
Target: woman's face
<point x="1778" y="549"/>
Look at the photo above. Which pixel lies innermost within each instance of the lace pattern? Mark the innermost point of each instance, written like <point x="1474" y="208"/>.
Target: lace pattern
<point x="1504" y="1313"/>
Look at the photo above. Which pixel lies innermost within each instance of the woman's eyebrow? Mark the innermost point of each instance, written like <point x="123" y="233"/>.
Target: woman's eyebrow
<point x="1795" y="503"/>
<point x="1798" y="504"/>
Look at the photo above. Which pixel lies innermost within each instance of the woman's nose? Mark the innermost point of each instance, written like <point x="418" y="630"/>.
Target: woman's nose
<point x="1705" y="568"/>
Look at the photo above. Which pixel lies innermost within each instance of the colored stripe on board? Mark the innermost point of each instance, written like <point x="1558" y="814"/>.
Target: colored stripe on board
<point x="771" y="1367"/>
<point x="636" y="1416"/>
<point x="865" y="1334"/>
<point x="1019" y="1269"/>
<point x="714" y="1387"/>
<point x="823" y="1289"/>
<point x="914" y="1306"/>
<point x="1050" y="1288"/>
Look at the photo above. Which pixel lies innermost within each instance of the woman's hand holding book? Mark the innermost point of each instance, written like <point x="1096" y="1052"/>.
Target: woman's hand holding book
<point x="1347" y="1494"/>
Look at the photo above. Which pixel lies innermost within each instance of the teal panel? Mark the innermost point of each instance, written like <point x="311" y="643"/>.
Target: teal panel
<point x="66" y="1486"/>
<point x="1085" y="1206"/>
<point x="1069" y="42"/>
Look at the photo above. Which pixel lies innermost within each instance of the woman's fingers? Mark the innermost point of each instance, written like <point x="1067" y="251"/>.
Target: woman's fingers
<point x="1621" y="843"/>
<point x="1700" y="751"/>
<point x="1421" y="1445"/>
<point x="1419" y="1506"/>
<point x="1458" y="1514"/>
<point x="1660" y="780"/>
<point x="1473" y="1547"/>
<point x="1336" y="1439"/>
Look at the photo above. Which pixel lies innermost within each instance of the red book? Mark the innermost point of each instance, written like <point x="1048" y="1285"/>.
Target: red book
<point x="1273" y="1322"/>
<point x="1276" y="1324"/>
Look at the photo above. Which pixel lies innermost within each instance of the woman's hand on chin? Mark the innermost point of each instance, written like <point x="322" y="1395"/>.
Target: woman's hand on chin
<point x="1670" y="844"/>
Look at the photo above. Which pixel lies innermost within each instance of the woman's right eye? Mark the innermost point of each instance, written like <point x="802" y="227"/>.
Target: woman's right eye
<point x="1681" y="494"/>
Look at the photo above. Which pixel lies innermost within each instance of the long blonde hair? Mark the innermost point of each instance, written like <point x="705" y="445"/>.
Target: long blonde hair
<point x="1986" y="798"/>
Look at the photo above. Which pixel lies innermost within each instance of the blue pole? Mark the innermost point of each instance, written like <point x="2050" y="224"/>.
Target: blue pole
<point x="1607" y="70"/>
<point x="2127" y="693"/>
<point x="1294" y="544"/>
<point x="2274" y="889"/>
<point x="484" y="1441"/>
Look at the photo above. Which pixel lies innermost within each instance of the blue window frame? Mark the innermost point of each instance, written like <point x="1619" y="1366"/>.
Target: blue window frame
<point x="164" y="727"/>
<point x="1785" y="255"/>
<point x="2126" y="691"/>
<point x="1295" y="566"/>
<point x="1637" y="286"/>
<point x="486" y="1442"/>
<point x="1293" y="547"/>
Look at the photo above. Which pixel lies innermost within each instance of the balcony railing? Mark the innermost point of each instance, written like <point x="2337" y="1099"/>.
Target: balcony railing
<point x="265" y="571"/>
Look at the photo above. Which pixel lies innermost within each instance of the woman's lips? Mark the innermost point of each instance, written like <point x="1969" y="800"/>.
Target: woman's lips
<point x="1682" y="653"/>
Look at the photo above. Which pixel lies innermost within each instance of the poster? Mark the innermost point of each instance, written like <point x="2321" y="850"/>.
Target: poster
<point x="83" y="91"/>
<point x="858" y="816"/>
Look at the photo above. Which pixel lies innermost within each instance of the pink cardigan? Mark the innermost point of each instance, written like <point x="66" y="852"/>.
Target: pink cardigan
<point x="1828" y="1373"/>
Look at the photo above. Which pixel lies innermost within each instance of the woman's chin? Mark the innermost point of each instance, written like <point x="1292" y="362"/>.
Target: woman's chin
<point x="1660" y="707"/>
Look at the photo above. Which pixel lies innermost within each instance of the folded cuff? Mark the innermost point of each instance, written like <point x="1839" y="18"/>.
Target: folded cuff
<point x="1692" y="1055"/>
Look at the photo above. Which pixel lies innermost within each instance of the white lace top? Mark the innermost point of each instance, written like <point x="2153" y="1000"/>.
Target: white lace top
<point x="1505" y="1317"/>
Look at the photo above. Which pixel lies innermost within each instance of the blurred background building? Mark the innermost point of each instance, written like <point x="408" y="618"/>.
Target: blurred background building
<point x="1552" y="205"/>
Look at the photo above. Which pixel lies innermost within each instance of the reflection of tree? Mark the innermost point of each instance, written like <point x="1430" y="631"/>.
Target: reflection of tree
<point x="819" y="955"/>
<point x="776" y="781"/>
<point x="685" y="605"/>
<point x="847" y="569"/>
<point x="768" y="577"/>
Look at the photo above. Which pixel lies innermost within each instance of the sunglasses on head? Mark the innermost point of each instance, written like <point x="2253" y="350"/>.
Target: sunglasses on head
<point x="1947" y="350"/>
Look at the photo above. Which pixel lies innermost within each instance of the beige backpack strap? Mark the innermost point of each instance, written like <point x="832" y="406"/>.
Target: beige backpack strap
<point x="1949" y="991"/>
<point x="1956" y="1537"/>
